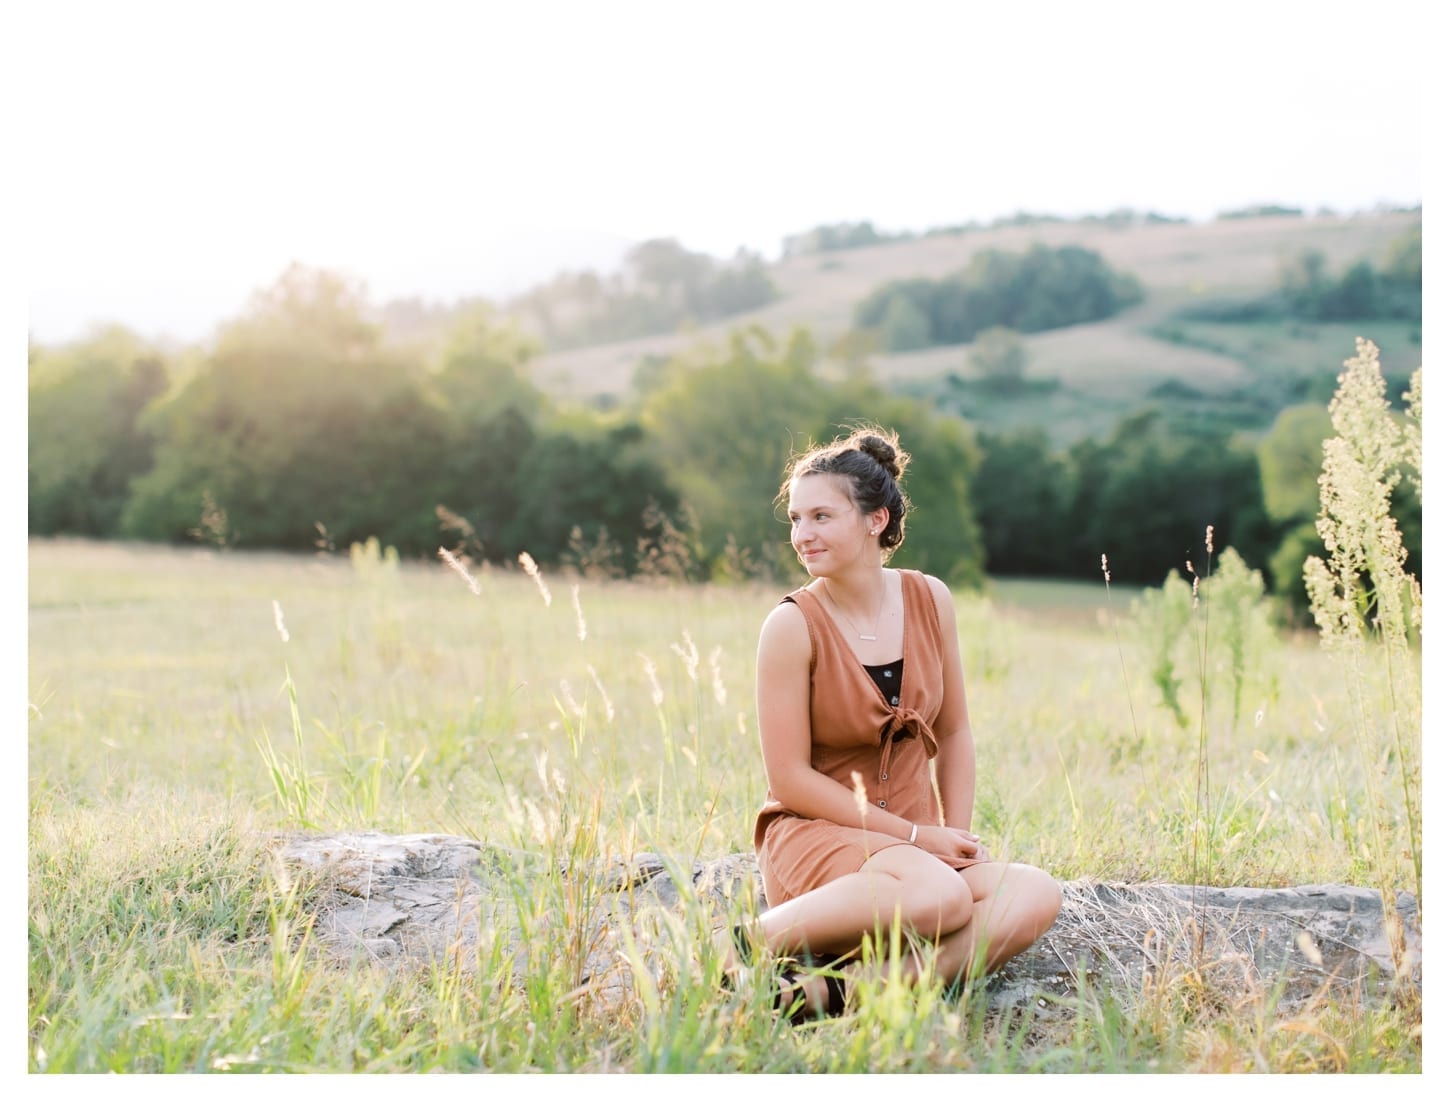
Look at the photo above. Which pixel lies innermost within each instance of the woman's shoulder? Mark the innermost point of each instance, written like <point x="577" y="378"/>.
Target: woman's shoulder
<point x="934" y="585"/>
<point x="938" y="590"/>
<point x="788" y="614"/>
<point x="786" y="629"/>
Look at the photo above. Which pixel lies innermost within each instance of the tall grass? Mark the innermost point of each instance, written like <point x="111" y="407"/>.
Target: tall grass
<point x="1368" y="609"/>
<point x="1230" y="599"/>
<point x="166" y="936"/>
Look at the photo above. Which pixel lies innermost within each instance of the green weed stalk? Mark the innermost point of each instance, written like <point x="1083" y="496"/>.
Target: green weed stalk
<point x="1363" y="600"/>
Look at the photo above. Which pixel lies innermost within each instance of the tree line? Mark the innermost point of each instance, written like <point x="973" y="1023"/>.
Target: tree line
<point x="1308" y="289"/>
<point x="659" y="287"/>
<point x="836" y="236"/>
<point x="1027" y="292"/>
<point x="303" y="427"/>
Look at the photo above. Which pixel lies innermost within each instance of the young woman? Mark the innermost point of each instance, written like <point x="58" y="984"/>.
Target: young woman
<point x="861" y="697"/>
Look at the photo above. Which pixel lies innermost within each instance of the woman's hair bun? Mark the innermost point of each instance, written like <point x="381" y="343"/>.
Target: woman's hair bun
<point x="872" y="462"/>
<point x="883" y="451"/>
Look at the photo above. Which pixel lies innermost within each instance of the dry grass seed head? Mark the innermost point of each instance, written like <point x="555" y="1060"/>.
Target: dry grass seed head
<point x="531" y="568"/>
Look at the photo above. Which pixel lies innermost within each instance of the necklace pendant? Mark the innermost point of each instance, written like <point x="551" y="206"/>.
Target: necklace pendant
<point x="868" y="638"/>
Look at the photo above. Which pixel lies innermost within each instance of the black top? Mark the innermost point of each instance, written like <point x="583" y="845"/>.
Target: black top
<point x="888" y="679"/>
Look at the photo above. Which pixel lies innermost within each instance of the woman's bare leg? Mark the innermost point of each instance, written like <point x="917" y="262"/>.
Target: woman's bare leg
<point x="931" y="897"/>
<point x="1013" y="906"/>
<point x="980" y="917"/>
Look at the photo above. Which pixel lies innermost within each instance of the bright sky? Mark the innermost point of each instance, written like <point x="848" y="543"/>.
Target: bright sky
<point x="179" y="155"/>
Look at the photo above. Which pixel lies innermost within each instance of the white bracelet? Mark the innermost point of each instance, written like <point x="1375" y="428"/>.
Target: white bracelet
<point x="912" y="839"/>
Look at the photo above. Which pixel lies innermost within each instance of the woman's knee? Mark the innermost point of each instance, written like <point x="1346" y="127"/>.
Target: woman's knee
<point x="930" y="897"/>
<point x="941" y="905"/>
<point x="935" y="901"/>
<point x="1021" y="893"/>
<point x="1040" y="895"/>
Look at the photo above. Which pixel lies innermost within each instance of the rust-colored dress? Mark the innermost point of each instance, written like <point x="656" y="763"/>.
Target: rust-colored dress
<point x="855" y="728"/>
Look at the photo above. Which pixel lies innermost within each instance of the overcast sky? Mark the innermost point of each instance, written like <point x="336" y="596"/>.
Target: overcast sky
<point x="179" y="155"/>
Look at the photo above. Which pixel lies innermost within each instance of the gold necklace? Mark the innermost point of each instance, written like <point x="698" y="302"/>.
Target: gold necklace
<point x="880" y="608"/>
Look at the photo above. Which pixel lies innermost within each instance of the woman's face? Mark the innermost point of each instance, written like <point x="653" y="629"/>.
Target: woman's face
<point x="827" y="531"/>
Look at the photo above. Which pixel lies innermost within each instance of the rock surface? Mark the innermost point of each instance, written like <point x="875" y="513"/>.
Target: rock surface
<point x="415" y="897"/>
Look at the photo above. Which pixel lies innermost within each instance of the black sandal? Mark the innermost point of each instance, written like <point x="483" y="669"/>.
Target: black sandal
<point x="791" y="996"/>
<point x="744" y="955"/>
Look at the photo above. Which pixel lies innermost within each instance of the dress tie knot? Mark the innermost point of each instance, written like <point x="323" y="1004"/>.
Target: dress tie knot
<point x="906" y="723"/>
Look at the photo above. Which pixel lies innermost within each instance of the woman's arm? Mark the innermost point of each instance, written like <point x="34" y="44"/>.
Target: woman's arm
<point x="956" y="760"/>
<point x="783" y="704"/>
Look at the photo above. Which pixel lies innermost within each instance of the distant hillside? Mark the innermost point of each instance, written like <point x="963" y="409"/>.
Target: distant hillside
<point x="1103" y="369"/>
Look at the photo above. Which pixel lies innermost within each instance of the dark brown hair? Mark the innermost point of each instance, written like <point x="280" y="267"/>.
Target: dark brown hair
<point x="872" y="462"/>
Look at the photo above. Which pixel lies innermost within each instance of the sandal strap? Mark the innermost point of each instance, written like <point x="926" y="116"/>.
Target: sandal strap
<point x="835" y="996"/>
<point x="744" y="950"/>
<point x="791" y="997"/>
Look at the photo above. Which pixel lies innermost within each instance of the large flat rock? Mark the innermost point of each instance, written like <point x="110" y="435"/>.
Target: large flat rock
<point x="413" y="897"/>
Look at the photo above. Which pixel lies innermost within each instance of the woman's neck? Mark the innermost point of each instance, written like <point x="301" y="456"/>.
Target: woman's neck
<point x="860" y="595"/>
<point x="860" y="584"/>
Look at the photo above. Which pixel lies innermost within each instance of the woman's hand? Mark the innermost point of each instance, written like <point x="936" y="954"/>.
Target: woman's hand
<point x="950" y="842"/>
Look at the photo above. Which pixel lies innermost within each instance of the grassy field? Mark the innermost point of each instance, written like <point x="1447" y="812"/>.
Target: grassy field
<point x="613" y="719"/>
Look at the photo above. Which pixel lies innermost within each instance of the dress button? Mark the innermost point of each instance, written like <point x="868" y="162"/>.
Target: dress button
<point x="883" y="776"/>
<point x="896" y="700"/>
<point x="881" y="803"/>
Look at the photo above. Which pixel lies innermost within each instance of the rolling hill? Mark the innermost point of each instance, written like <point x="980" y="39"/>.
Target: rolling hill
<point x="1090" y="374"/>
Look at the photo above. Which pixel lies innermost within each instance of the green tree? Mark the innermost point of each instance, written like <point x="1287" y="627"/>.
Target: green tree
<point x="1290" y="456"/>
<point x="670" y="272"/>
<point x="1022" y="492"/>
<point x="1361" y="292"/>
<point x="1043" y="288"/>
<point x="661" y="287"/>
<point x="723" y="426"/>
<point x="1291" y="459"/>
<point x="1356" y="296"/>
<point x="587" y="474"/>
<point x="1146" y="495"/>
<point x="1401" y="287"/>
<point x="870" y="313"/>
<point x="905" y="326"/>
<point x="300" y="417"/>
<point x="484" y="368"/>
<point x="999" y="358"/>
<point x="1303" y="281"/>
<point x="946" y="539"/>
<point x="1404" y="258"/>
<point x="86" y="439"/>
<point x="1286" y="565"/>
<point x="494" y="412"/>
